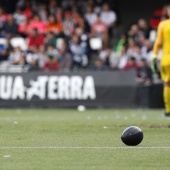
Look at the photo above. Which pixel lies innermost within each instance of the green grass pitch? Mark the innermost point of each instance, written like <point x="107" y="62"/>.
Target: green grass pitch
<point x="52" y="139"/>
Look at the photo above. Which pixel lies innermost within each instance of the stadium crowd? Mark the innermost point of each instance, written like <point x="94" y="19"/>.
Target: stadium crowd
<point x="71" y="35"/>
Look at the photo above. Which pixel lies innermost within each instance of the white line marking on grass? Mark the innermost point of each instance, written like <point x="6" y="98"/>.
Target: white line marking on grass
<point x="7" y="156"/>
<point x="79" y="147"/>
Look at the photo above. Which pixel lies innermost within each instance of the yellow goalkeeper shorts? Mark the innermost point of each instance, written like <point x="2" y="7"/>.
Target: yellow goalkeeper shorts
<point x="165" y="73"/>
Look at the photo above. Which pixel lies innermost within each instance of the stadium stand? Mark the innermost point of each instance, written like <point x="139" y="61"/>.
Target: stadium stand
<point x="72" y="35"/>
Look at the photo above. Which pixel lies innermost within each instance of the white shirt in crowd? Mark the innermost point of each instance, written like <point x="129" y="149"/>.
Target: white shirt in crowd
<point x="108" y="17"/>
<point x="32" y="56"/>
<point x="123" y="61"/>
<point x="16" y="56"/>
<point x="113" y="58"/>
<point x="20" y="18"/>
<point x="91" y="18"/>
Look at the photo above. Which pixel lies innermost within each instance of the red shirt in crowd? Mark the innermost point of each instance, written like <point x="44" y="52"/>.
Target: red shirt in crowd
<point x="35" y="41"/>
<point x="156" y="18"/>
<point x="51" y="66"/>
<point x="27" y="12"/>
<point x="24" y="28"/>
<point x="99" y="28"/>
<point x="3" y="18"/>
<point x="39" y="25"/>
<point x="131" y="65"/>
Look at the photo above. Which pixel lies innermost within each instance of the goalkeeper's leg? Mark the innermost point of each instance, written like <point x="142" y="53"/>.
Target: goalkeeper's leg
<point x="167" y="98"/>
<point x="165" y="75"/>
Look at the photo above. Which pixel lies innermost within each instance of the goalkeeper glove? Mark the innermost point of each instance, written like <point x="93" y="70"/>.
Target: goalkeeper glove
<point x="154" y="67"/>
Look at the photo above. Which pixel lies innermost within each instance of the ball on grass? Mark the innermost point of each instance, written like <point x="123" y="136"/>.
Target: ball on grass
<point x="132" y="136"/>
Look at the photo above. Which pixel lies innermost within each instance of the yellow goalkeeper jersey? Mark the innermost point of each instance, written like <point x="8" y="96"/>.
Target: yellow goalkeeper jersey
<point x="163" y="39"/>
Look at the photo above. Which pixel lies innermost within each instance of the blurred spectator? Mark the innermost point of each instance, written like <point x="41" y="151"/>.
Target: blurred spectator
<point x="52" y="51"/>
<point x="53" y="25"/>
<point x="137" y="53"/>
<point x="109" y="18"/>
<point x="78" y="53"/>
<point x="164" y="13"/>
<point x="17" y="56"/>
<point x="76" y="16"/>
<point x="10" y="27"/>
<point x="69" y="5"/>
<point x="120" y="43"/>
<point x="53" y="7"/>
<point x="35" y="39"/>
<point x="49" y="39"/>
<point x="158" y="15"/>
<point x="113" y="60"/>
<point x="131" y="64"/>
<point x="51" y="64"/>
<point x="82" y="6"/>
<point x="3" y="18"/>
<point x="99" y="29"/>
<point x="90" y="16"/>
<point x="8" y="45"/>
<point x="19" y="16"/>
<point x="37" y="23"/>
<point x="3" y="55"/>
<point x="134" y="32"/>
<point x="131" y="47"/>
<point x="68" y="23"/>
<point x="3" y="44"/>
<point x="59" y="15"/>
<point x="43" y="12"/>
<point x="123" y="58"/>
<point x="42" y="57"/>
<point x="144" y="73"/>
<point x="146" y="48"/>
<point x="24" y="28"/>
<point x="97" y="5"/>
<point x="20" y="3"/>
<point x="28" y="12"/>
<point x="134" y="50"/>
<point x="83" y="25"/>
<point x="149" y="52"/>
<point x="107" y="60"/>
<point x="143" y="27"/>
<point x="79" y="31"/>
<point x="32" y="58"/>
<point x="91" y="3"/>
<point x="141" y="39"/>
<point x="64" y="59"/>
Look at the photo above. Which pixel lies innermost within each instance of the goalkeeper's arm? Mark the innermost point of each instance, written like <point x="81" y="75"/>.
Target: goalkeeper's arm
<point x="156" y="48"/>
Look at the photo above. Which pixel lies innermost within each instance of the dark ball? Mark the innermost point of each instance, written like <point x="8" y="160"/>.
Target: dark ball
<point x="132" y="136"/>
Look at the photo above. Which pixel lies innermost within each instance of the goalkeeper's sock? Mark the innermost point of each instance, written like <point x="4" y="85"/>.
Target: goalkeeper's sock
<point x="167" y="98"/>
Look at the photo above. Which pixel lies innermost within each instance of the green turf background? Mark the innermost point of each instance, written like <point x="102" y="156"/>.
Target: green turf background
<point x="91" y="128"/>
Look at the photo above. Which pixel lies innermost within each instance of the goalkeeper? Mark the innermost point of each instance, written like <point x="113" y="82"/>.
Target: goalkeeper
<point x="163" y="40"/>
